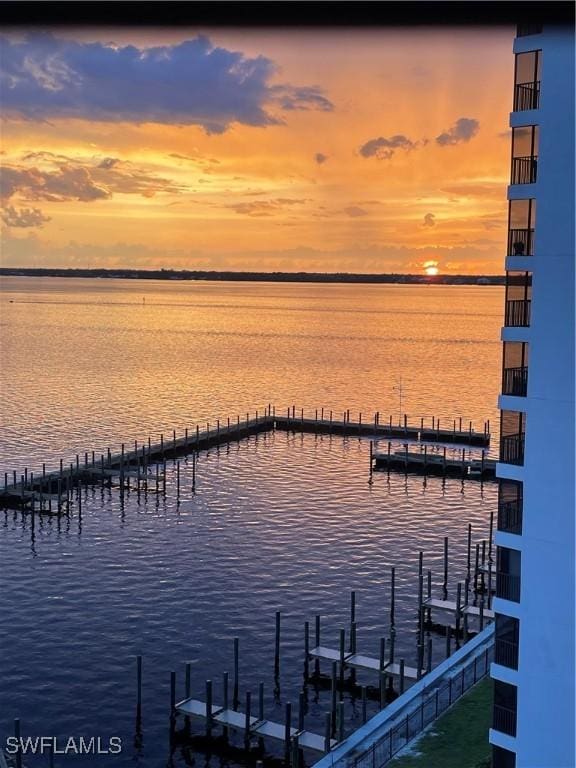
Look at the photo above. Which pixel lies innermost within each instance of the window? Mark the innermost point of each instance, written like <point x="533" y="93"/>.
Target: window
<point x="505" y="698"/>
<point x="512" y="432"/>
<point x="506" y="641"/>
<point x="508" y="574"/>
<point x="515" y="368"/>
<point x="518" y="299"/>
<point x="510" y="506"/>
<point x="503" y="758"/>
<point x="521" y="224"/>
<point x="527" y="80"/>
<point x="524" y="154"/>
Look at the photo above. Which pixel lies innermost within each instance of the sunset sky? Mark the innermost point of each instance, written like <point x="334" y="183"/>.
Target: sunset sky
<point x="383" y="150"/>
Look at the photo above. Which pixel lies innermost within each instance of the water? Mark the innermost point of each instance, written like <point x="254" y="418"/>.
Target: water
<point x="279" y="522"/>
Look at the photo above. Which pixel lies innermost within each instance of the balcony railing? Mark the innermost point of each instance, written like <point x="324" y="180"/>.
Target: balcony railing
<point x="512" y="449"/>
<point x="522" y="30"/>
<point x="506" y="653"/>
<point x="510" y="516"/>
<point x="527" y="96"/>
<point x="515" y="381"/>
<point x="520" y="242"/>
<point x="524" y="170"/>
<point x="517" y="313"/>
<point x="508" y="586"/>
<point x="504" y="720"/>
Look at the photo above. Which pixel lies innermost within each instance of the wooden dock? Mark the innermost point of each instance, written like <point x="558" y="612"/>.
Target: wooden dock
<point x="255" y="727"/>
<point x="48" y="492"/>
<point x="425" y="462"/>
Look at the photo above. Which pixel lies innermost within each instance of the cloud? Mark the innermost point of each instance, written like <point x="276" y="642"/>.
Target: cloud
<point x="190" y="83"/>
<point x="24" y="217"/>
<point x="32" y="250"/>
<point x="320" y="158"/>
<point x="464" y="129"/>
<point x="429" y="220"/>
<point x="355" y="211"/>
<point x="477" y="189"/>
<point x="303" y="98"/>
<point x="66" y="183"/>
<point x="265" y="207"/>
<point x="384" y="149"/>
<point x="58" y="178"/>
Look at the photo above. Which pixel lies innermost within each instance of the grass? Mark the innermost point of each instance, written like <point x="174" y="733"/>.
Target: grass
<point x="458" y="739"/>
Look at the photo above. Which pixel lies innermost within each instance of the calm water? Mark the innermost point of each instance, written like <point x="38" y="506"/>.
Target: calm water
<point x="279" y="522"/>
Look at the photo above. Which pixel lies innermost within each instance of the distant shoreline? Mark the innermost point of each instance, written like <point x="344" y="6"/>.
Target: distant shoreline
<point x="274" y="277"/>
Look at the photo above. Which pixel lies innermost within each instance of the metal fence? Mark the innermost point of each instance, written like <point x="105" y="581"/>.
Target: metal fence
<point x="432" y="706"/>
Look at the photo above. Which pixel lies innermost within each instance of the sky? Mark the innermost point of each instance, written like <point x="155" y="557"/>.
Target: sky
<point x="349" y="150"/>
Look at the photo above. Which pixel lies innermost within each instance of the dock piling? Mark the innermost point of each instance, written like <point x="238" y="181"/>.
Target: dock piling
<point x="236" y="672"/>
<point x="277" y="646"/>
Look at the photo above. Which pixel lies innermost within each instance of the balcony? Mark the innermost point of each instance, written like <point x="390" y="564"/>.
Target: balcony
<point x="508" y="586"/>
<point x="521" y="242"/>
<point x="504" y="720"/>
<point x="524" y="170"/>
<point x="515" y="381"/>
<point x="506" y="653"/>
<point x="523" y="30"/>
<point x="527" y="96"/>
<point x="510" y="516"/>
<point x="512" y="449"/>
<point x="517" y="313"/>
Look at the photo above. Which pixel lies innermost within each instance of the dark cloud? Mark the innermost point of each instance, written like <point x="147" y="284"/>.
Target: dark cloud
<point x="429" y="220"/>
<point x="65" y="183"/>
<point x="62" y="178"/>
<point x="265" y="207"/>
<point x="355" y="211"/>
<point x="463" y="130"/>
<point x="304" y="98"/>
<point x="190" y="83"/>
<point x="23" y="217"/>
<point x="384" y="149"/>
<point x="320" y="158"/>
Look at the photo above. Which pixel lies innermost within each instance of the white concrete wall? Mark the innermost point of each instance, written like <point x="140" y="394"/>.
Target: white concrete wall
<point x="546" y="673"/>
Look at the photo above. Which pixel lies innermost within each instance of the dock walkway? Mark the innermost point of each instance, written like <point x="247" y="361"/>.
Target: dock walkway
<point x="47" y="491"/>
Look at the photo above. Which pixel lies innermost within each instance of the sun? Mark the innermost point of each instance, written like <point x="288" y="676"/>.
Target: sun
<point x="431" y="267"/>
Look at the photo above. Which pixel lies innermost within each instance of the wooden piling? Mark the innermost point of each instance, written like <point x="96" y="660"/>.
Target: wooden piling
<point x="306" y="649"/>
<point x="445" y="582"/>
<point x="247" y="716"/>
<point x="277" y="645"/>
<point x="138" y="686"/>
<point x="287" y="731"/>
<point x="402" y="676"/>
<point x="341" y="721"/>
<point x="342" y="656"/>
<point x="236" y="673"/>
<point x="448" y="633"/>
<point x="333" y="693"/>
<point x="260" y="701"/>
<point x="327" y="731"/>
<point x="172" y="692"/>
<point x="364" y="705"/>
<point x="208" y="707"/>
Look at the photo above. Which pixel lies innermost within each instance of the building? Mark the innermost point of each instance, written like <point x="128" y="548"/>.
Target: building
<point x="534" y="671"/>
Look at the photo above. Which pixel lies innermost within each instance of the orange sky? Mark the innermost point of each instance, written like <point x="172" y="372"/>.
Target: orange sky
<point x="139" y="185"/>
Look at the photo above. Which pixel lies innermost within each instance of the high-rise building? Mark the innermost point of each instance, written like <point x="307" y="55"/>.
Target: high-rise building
<point x="534" y="670"/>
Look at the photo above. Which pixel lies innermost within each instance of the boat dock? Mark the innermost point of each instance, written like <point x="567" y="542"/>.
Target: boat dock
<point x="144" y="463"/>
<point x="433" y="463"/>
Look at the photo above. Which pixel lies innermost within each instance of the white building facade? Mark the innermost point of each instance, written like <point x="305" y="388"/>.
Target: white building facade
<point x="534" y="672"/>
